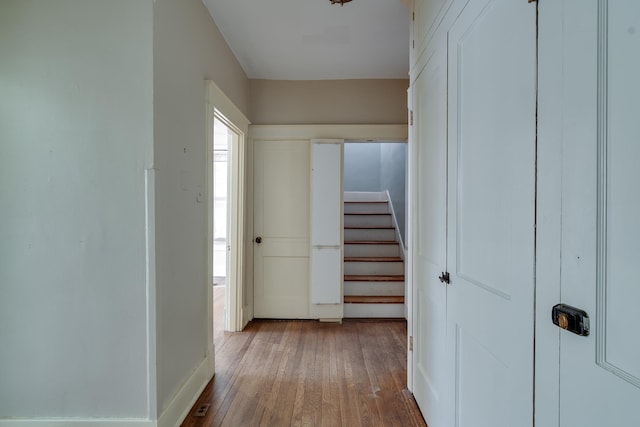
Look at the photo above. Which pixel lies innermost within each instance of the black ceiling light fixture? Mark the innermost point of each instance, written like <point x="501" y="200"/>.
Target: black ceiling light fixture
<point x="340" y="2"/>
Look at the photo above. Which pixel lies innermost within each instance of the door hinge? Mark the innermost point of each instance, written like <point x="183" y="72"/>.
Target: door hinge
<point x="410" y="117"/>
<point x="445" y="278"/>
<point x="413" y="16"/>
<point x="413" y="44"/>
<point x="411" y="343"/>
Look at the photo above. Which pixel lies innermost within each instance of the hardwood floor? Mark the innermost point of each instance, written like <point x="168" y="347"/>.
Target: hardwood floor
<point x="219" y="335"/>
<point x="306" y="373"/>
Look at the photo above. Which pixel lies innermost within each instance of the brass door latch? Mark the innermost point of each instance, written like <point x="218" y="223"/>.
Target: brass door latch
<point x="571" y="319"/>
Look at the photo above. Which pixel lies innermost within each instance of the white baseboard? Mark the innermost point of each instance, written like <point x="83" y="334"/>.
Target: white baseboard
<point x="172" y="416"/>
<point x="77" y="422"/>
<point x="186" y="397"/>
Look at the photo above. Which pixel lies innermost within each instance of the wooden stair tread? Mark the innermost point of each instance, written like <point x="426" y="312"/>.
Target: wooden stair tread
<point x="370" y="242"/>
<point x="373" y="259"/>
<point x="366" y="201"/>
<point x="373" y="299"/>
<point x="372" y="278"/>
<point x="367" y="213"/>
<point x="370" y="227"/>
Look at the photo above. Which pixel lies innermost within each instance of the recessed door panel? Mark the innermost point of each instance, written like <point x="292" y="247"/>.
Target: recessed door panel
<point x="492" y="383"/>
<point x="620" y="195"/>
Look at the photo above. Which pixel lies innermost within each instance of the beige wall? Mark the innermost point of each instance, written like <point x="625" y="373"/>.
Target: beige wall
<point x="188" y="49"/>
<point x="186" y="38"/>
<point x="329" y="101"/>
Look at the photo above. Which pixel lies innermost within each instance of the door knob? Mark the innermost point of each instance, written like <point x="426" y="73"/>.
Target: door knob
<point x="445" y="278"/>
<point x="258" y="240"/>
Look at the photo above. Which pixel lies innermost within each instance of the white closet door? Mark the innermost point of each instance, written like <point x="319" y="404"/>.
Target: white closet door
<point x="326" y="221"/>
<point x="429" y="238"/>
<point x="281" y="221"/>
<point x="492" y="158"/>
<point x="597" y="140"/>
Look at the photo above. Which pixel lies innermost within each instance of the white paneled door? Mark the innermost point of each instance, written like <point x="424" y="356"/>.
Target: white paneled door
<point x="490" y="227"/>
<point x="600" y="210"/>
<point x="326" y="221"/>
<point x="281" y="228"/>
<point x="429" y="240"/>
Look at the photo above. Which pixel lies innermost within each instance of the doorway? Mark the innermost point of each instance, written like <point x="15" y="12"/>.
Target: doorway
<point x="226" y="157"/>
<point x="374" y="228"/>
<point x="226" y="221"/>
<point x="223" y="139"/>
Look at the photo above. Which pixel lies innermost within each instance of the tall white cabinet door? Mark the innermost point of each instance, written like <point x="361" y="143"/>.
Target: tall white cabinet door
<point x="600" y="211"/>
<point x="492" y="157"/>
<point x="428" y="156"/>
<point x="326" y="221"/>
<point x="281" y="225"/>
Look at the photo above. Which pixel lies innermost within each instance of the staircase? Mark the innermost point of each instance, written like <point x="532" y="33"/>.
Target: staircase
<point x="373" y="258"/>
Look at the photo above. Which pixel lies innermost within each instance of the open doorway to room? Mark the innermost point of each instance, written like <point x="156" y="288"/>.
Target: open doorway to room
<point x="375" y="206"/>
<point x="226" y="283"/>
<point x="223" y="138"/>
<point x="226" y="223"/>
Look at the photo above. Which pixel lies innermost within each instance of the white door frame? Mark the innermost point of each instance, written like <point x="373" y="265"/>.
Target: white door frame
<point x="411" y="174"/>
<point x="220" y="107"/>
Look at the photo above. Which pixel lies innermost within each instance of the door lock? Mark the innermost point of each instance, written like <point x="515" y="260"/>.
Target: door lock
<point x="571" y="319"/>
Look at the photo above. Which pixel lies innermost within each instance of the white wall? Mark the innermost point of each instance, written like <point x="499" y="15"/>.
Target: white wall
<point x="93" y="94"/>
<point x="75" y="139"/>
<point x="188" y="49"/>
<point x="362" y="166"/>
<point x="393" y="174"/>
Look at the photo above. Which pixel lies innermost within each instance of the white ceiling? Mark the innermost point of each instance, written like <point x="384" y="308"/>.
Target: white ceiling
<point x="315" y="40"/>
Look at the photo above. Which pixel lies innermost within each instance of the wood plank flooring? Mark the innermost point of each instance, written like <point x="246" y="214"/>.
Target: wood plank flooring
<point x="373" y="299"/>
<point x="219" y="335"/>
<point x="368" y="278"/>
<point x="306" y="373"/>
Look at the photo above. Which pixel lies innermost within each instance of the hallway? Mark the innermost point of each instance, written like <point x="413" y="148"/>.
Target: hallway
<point x="279" y="373"/>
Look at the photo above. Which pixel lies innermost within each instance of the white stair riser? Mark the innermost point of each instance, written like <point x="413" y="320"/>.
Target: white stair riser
<point x="365" y="196"/>
<point x="373" y="288"/>
<point x="355" y="250"/>
<point x="374" y="310"/>
<point x="381" y="208"/>
<point x="359" y="268"/>
<point x="376" y="220"/>
<point x="386" y="234"/>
